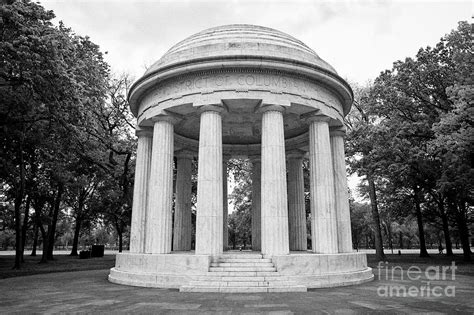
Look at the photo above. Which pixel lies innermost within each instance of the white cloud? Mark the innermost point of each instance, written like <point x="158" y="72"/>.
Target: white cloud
<point x="359" y="38"/>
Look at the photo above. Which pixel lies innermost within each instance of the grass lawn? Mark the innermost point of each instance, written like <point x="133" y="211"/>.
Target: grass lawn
<point x="59" y="264"/>
<point x="68" y="263"/>
<point x="407" y="260"/>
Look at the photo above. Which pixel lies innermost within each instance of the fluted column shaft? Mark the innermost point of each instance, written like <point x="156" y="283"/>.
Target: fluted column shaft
<point x="274" y="203"/>
<point x="344" y="236"/>
<point x="182" y="208"/>
<point x="209" y="238"/>
<point x="256" y="205"/>
<point x="296" y="207"/>
<point x="225" y="206"/>
<point x="323" y="214"/>
<point x="160" y="190"/>
<point x="140" y="190"/>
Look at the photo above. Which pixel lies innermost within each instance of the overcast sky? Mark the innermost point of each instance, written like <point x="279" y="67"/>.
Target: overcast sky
<point x="358" y="38"/>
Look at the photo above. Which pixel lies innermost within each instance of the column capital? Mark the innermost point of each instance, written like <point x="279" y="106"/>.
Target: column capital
<point x="295" y="154"/>
<point x="172" y="119"/>
<point x="315" y="118"/>
<point x="144" y="132"/>
<point x="185" y="154"/>
<point x="218" y="108"/>
<point x="337" y="131"/>
<point x="271" y="107"/>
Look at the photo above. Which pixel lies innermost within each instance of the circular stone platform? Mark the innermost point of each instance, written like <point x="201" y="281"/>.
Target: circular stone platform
<point x="195" y="273"/>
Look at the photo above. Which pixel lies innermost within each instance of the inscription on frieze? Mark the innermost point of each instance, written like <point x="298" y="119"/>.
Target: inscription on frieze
<point x="264" y="81"/>
<point x="239" y="82"/>
<point x="230" y="81"/>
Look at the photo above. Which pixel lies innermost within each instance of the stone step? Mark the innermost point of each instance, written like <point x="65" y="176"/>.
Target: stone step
<point x="239" y="277"/>
<point x="230" y="283"/>
<point x="242" y="264"/>
<point x="281" y="283"/>
<point x="246" y="273"/>
<point x="243" y="269"/>
<point x="241" y="256"/>
<point x="211" y="283"/>
<point x="212" y="277"/>
<point x="229" y="289"/>
<point x="242" y="260"/>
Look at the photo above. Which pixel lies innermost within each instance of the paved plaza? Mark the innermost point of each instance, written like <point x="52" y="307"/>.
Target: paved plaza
<point x="90" y="292"/>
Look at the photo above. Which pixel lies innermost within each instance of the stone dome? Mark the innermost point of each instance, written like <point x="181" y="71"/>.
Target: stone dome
<point x="238" y="47"/>
<point x="240" y="41"/>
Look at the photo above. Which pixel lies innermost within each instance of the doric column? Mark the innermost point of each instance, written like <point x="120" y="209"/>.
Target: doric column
<point x="225" y="206"/>
<point x="140" y="190"/>
<point x="256" y="205"/>
<point x="344" y="236"/>
<point x="160" y="190"/>
<point x="323" y="214"/>
<point x="296" y="207"/>
<point x="209" y="195"/>
<point x="182" y="207"/>
<point x="274" y="203"/>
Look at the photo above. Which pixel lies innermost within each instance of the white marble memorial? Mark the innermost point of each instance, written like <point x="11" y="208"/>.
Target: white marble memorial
<point x="240" y="91"/>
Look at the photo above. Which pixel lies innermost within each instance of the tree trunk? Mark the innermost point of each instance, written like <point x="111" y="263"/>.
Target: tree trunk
<point x="379" y="254"/>
<point x="75" y="240"/>
<point x="20" y="191"/>
<point x="25" y="227"/>
<point x="463" y="231"/>
<point x="44" y="235"/>
<point x="35" y="241"/>
<point x="120" y="235"/>
<point x="400" y="239"/>
<point x="419" y="220"/>
<point x="447" y="236"/>
<point x="119" y="229"/>
<point x="54" y="221"/>
<point x="38" y="206"/>
<point x="355" y="240"/>
<point x="18" y="249"/>
<point x="389" y="232"/>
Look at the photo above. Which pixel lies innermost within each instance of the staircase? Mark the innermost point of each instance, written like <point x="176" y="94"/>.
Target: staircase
<point x="244" y="273"/>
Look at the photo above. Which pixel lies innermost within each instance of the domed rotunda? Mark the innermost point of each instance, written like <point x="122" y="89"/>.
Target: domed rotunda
<point x="240" y="91"/>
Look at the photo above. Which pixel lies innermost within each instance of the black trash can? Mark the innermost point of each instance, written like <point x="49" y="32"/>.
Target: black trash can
<point x="97" y="251"/>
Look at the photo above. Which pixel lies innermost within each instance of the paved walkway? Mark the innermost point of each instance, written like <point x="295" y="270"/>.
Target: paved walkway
<point x="90" y="292"/>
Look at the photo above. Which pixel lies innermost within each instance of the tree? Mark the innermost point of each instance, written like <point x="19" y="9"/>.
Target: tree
<point x="454" y="136"/>
<point x="48" y="80"/>
<point x="240" y="221"/>
<point x="410" y="102"/>
<point x="360" y="223"/>
<point x="118" y="140"/>
<point x="363" y="157"/>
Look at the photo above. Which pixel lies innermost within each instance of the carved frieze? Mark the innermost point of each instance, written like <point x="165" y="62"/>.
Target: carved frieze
<point x="198" y="88"/>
